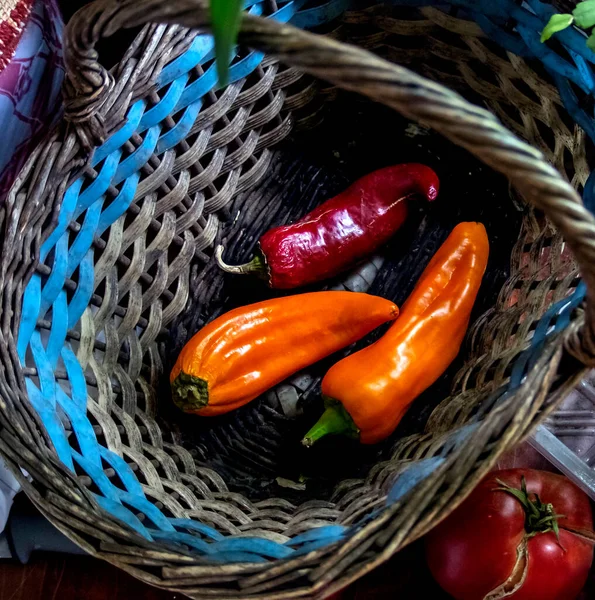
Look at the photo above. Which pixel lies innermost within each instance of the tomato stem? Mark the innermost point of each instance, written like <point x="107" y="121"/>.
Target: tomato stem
<point x="539" y="517"/>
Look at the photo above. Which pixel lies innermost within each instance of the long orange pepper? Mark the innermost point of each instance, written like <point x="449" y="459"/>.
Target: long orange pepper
<point x="367" y="393"/>
<point x="248" y="350"/>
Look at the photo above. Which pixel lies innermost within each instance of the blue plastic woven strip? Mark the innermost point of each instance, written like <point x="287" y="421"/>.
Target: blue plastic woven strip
<point x="69" y="255"/>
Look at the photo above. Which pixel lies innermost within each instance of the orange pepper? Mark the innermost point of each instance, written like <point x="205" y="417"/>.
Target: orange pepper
<point x="248" y="350"/>
<point x="367" y="393"/>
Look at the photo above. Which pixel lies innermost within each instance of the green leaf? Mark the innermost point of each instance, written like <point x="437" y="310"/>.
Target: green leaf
<point x="226" y="16"/>
<point x="591" y="42"/>
<point x="555" y="24"/>
<point x="556" y="529"/>
<point x="584" y="14"/>
<point x="520" y="495"/>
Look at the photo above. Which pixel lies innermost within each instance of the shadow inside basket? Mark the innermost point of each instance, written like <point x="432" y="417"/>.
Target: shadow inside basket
<point x="257" y="449"/>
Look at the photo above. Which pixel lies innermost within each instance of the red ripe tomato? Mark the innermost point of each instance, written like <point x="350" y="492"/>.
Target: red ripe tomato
<point x="501" y="542"/>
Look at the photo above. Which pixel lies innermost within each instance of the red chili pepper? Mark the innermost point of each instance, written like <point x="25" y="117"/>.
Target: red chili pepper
<point x="341" y="231"/>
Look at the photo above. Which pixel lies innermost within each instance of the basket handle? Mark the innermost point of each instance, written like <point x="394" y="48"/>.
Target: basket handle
<point x="351" y="68"/>
<point x="87" y="83"/>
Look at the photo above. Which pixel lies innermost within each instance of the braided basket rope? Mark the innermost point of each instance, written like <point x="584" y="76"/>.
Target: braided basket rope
<point x="100" y="250"/>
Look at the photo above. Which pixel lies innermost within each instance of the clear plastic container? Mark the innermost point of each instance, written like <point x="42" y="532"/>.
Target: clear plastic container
<point x="567" y="438"/>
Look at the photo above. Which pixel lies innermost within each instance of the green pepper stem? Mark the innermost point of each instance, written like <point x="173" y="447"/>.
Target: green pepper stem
<point x="258" y="265"/>
<point x="190" y="393"/>
<point x="334" y="420"/>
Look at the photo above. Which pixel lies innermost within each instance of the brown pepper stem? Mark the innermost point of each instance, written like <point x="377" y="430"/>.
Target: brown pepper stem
<point x="257" y="266"/>
<point x="190" y="393"/>
<point x="334" y="420"/>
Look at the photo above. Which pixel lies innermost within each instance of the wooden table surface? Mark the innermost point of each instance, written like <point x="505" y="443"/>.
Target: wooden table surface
<point x="67" y="577"/>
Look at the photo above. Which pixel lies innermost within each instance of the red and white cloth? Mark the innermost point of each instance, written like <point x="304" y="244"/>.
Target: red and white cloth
<point x="13" y="18"/>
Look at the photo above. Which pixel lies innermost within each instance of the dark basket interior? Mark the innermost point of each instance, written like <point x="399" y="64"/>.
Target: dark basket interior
<point x="253" y="446"/>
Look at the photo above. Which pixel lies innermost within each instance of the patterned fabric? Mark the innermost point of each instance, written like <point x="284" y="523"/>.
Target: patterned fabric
<point x="29" y="87"/>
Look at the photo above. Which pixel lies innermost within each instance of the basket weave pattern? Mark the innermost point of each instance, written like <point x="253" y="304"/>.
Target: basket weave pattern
<point x="120" y="235"/>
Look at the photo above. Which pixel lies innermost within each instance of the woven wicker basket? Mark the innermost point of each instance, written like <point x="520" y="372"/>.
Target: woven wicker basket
<point x="107" y="267"/>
